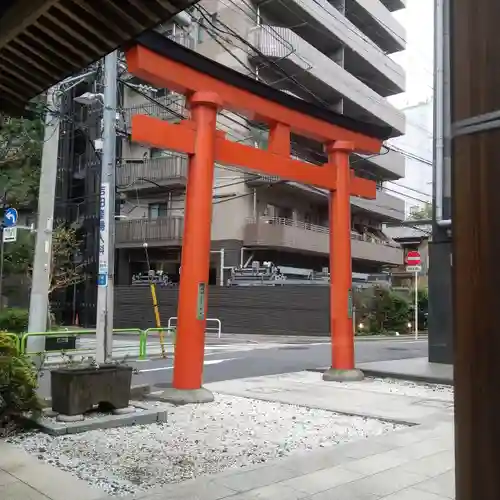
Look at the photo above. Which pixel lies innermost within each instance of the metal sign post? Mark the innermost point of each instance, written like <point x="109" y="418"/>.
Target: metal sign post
<point x="413" y="261"/>
<point x="8" y="234"/>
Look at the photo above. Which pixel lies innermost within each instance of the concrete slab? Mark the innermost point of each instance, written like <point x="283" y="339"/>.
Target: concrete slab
<point x="183" y="397"/>
<point x="333" y="375"/>
<point x="142" y="416"/>
<point x="351" y="398"/>
<point x="415" y="369"/>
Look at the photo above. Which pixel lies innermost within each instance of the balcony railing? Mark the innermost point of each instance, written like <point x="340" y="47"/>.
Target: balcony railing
<point x="171" y="108"/>
<point x="156" y="232"/>
<point x="278" y="232"/>
<point x="163" y="171"/>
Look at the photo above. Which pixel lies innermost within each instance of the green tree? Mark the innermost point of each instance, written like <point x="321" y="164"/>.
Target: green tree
<point x="424" y="213"/>
<point x="18" y="255"/>
<point x="64" y="271"/>
<point x="21" y="143"/>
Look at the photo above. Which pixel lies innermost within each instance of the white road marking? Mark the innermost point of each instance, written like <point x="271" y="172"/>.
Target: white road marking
<point x="164" y="368"/>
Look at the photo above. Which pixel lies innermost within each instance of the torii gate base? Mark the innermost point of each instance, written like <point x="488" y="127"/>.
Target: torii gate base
<point x="204" y="145"/>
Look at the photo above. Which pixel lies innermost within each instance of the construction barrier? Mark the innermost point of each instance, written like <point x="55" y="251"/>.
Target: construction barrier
<point x="217" y="329"/>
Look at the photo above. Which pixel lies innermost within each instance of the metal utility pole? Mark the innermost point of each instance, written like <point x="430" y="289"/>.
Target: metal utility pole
<point x="105" y="292"/>
<point x="440" y="251"/>
<point x="39" y="298"/>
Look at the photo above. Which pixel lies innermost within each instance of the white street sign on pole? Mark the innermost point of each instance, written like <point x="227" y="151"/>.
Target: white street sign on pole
<point x="413" y="269"/>
<point x="104" y="235"/>
<point x="416" y="305"/>
<point x="9" y="234"/>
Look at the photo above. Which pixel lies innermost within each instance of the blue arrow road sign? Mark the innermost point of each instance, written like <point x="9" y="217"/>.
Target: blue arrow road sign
<point x="10" y="217"/>
<point x="102" y="279"/>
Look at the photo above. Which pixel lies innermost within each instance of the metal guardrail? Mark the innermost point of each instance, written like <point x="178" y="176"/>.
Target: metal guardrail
<point x="217" y="328"/>
<point x="23" y="343"/>
<point x="21" y="340"/>
<point x="168" y="330"/>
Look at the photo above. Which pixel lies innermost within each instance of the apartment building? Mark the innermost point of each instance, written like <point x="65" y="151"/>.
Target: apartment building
<point x="334" y="52"/>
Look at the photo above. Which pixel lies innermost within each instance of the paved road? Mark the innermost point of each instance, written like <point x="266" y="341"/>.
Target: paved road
<point x="232" y="362"/>
<point x="248" y="356"/>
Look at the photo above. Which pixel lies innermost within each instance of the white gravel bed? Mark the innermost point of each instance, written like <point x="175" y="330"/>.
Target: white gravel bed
<point x="196" y="440"/>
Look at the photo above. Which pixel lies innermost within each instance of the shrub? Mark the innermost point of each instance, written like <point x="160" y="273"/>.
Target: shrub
<point x="14" y="320"/>
<point x="389" y="312"/>
<point x="18" y="385"/>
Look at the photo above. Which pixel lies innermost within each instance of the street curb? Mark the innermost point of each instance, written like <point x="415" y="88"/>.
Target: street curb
<point x="397" y="376"/>
<point x="410" y="377"/>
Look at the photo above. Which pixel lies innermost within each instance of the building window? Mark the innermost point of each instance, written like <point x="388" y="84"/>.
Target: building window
<point x="156" y="210"/>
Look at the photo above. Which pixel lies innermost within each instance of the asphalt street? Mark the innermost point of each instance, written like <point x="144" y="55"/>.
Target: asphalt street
<point x="232" y="363"/>
<point x="235" y="356"/>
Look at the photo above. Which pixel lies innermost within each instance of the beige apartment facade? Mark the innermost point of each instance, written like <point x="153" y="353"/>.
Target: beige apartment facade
<point x="333" y="57"/>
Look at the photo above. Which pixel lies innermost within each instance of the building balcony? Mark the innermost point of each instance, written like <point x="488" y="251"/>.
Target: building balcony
<point x="286" y="234"/>
<point x="180" y="37"/>
<point x="153" y="174"/>
<point x="257" y="180"/>
<point x="171" y="108"/>
<point x="375" y="20"/>
<point x="323" y="76"/>
<point x="389" y="166"/>
<point x="162" y="231"/>
<point x="393" y="5"/>
<point x="385" y="207"/>
<point x="320" y="24"/>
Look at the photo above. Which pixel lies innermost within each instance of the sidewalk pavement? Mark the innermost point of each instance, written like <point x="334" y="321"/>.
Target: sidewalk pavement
<point x="415" y="463"/>
<point x="415" y="369"/>
<point x="24" y="477"/>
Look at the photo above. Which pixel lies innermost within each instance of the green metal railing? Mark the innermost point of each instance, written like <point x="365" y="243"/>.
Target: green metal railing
<point x="21" y="340"/>
<point x="23" y="348"/>
<point x="23" y="344"/>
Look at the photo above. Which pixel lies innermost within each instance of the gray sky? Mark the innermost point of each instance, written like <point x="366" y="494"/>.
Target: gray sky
<point x="417" y="60"/>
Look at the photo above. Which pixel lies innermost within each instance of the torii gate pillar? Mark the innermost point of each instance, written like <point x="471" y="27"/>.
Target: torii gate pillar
<point x="341" y="331"/>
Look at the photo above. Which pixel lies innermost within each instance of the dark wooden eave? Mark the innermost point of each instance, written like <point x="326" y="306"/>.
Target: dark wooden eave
<point x="44" y="41"/>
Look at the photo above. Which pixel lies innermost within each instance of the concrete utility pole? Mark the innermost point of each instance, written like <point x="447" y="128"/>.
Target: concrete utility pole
<point x="105" y="291"/>
<point x="39" y="298"/>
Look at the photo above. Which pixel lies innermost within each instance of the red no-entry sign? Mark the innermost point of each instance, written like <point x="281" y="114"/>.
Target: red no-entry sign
<point x="413" y="258"/>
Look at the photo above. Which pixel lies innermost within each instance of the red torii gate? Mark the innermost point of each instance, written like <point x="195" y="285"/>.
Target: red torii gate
<point x="204" y="144"/>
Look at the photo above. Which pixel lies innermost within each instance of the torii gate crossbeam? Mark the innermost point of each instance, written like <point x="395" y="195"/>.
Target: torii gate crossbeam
<point x="199" y="138"/>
